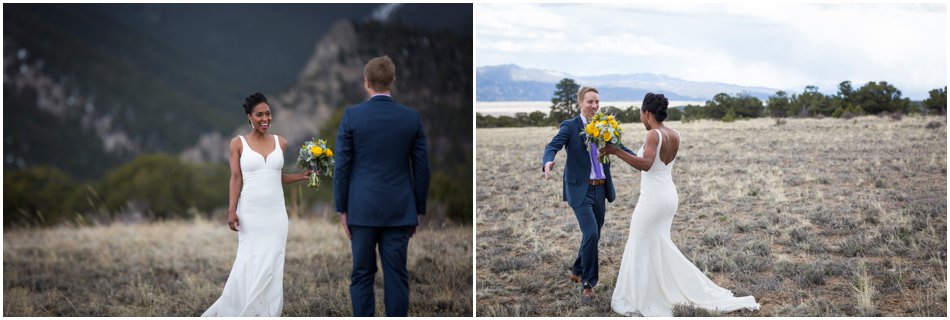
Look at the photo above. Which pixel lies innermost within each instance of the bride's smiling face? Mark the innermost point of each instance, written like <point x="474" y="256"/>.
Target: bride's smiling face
<point x="260" y="117"/>
<point x="590" y="103"/>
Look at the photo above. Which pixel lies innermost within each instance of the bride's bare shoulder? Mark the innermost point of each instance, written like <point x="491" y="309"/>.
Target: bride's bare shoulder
<point x="653" y="136"/>
<point x="236" y="144"/>
<point x="675" y="135"/>
<point x="236" y="141"/>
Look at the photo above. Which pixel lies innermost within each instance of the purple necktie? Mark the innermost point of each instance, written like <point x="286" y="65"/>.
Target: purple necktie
<point x="593" y="162"/>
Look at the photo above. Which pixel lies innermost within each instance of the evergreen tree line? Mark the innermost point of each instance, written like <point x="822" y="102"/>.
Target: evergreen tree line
<point x="158" y="187"/>
<point x="873" y="98"/>
<point x="539" y="118"/>
<point x="154" y="186"/>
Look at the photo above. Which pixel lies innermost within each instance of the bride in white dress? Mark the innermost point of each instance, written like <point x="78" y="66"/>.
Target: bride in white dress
<point x="654" y="275"/>
<point x="256" y="210"/>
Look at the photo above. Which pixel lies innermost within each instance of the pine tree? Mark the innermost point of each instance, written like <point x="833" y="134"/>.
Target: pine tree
<point x="564" y="103"/>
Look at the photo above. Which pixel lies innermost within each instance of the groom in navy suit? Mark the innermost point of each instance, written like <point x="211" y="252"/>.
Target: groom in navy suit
<point x="380" y="185"/>
<point x="587" y="184"/>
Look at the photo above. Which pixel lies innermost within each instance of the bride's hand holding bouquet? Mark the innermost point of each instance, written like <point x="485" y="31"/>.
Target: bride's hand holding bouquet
<point x="316" y="156"/>
<point x="603" y="130"/>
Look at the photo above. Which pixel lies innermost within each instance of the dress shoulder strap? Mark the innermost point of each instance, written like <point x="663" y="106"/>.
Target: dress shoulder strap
<point x="244" y="146"/>
<point x="659" y="146"/>
<point x="277" y="142"/>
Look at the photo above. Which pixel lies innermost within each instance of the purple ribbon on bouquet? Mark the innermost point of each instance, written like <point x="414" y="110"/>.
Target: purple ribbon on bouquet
<point x="594" y="162"/>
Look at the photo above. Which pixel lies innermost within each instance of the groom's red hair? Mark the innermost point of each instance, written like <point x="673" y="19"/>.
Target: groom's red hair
<point x="381" y="73"/>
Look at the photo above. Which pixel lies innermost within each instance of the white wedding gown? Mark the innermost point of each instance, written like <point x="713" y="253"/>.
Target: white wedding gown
<point x="255" y="286"/>
<point x="654" y="276"/>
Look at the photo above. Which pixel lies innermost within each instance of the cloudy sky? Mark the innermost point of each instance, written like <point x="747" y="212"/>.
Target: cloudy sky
<point x="784" y="46"/>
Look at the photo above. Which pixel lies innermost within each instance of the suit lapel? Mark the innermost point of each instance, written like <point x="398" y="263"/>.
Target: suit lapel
<point x="579" y="123"/>
<point x="583" y="135"/>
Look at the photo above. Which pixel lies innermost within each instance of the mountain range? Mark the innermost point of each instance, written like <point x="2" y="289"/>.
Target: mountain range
<point x="88" y="87"/>
<point x="514" y="83"/>
<point x="433" y="76"/>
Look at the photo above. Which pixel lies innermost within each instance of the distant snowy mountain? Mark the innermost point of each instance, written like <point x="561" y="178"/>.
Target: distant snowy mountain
<point x="513" y="83"/>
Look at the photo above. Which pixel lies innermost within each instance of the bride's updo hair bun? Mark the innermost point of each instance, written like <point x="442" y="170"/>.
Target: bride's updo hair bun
<point x="656" y="104"/>
<point x="253" y="100"/>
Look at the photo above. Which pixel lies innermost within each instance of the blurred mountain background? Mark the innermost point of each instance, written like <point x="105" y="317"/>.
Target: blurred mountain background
<point x="125" y="111"/>
<point x="511" y="82"/>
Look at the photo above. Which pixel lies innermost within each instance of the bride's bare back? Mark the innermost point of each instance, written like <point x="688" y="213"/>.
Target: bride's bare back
<point x="671" y="145"/>
<point x="648" y="154"/>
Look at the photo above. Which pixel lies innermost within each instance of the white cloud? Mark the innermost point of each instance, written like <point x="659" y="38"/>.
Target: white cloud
<point x="504" y="18"/>
<point x="777" y="45"/>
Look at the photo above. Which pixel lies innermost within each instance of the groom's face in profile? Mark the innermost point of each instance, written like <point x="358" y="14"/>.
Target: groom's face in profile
<point x="590" y="103"/>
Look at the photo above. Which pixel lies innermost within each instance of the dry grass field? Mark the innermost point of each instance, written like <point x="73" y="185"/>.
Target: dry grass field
<point x="814" y="217"/>
<point x="179" y="269"/>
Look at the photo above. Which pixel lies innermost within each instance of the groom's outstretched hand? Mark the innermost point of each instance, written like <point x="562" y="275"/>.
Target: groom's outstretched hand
<point x="547" y="169"/>
<point x="345" y="227"/>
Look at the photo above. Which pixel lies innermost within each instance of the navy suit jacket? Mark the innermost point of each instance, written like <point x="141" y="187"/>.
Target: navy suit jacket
<point x="577" y="169"/>
<point x="381" y="177"/>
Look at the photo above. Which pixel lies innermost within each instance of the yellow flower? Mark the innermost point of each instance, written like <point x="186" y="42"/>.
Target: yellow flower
<point x="595" y="133"/>
<point x="590" y="128"/>
<point x="329" y="153"/>
<point x="316" y="151"/>
<point x="606" y="135"/>
<point x="603" y="122"/>
<point x="613" y="124"/>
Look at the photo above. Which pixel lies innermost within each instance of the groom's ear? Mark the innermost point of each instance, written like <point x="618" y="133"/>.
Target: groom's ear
<point x="366" y="87"/>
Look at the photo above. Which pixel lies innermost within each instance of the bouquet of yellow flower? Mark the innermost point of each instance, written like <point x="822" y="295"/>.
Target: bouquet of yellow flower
<point x="600" y="131"/>
<point x="316" y="156"/>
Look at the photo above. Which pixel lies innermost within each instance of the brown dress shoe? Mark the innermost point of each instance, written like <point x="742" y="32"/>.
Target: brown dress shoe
<point x="575" y="278"/>
<point x="589" y="292"/>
